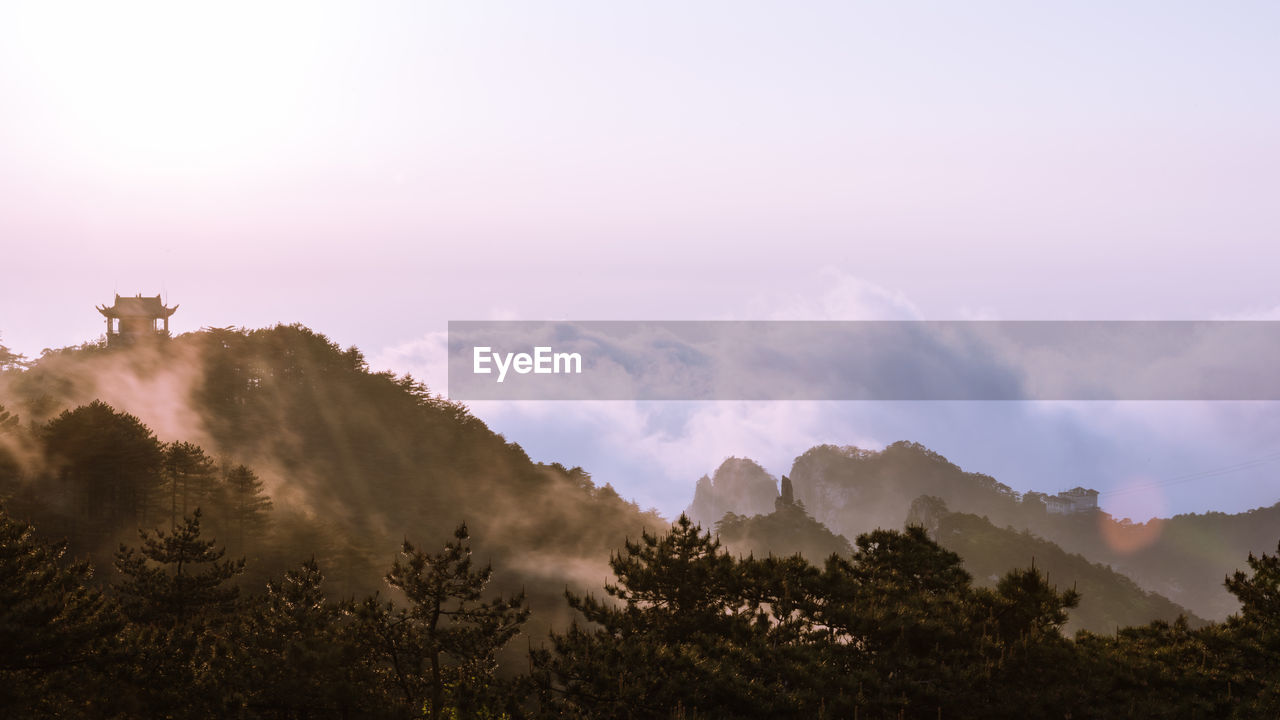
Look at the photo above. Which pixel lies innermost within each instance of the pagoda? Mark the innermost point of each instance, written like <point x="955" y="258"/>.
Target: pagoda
<point x="135" y="318"/>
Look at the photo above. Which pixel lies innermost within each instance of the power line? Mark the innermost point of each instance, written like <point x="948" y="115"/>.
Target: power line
<point x="1203" y="474"/>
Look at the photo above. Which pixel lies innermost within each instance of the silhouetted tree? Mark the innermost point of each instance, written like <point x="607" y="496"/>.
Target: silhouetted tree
<point x="441" y="649"/>
<point x="191" y="477"/>
<point x="300" y="659"/>
<point x="10" y="360"/>
<point x="678" y="639"/>
<point x="9" y="468"/>
<point x="1259" y="592"/>
<point x="8" y="421"/>
<point x="109" y="464"/>
<point x="56" y="633"/>
<point x="176" y="576"/>
<point x="1256" y="631"/>
<point x="246" y="502"/>
<point x="895" y="629"/>
<point x="183" y="636"/>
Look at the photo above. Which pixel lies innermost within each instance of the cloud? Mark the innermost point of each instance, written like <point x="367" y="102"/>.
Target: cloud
<point x="654" y="451"/>
<point x="425" y="358"/>
<point x="1261" y="313"/>
<point x="830" y="294"/>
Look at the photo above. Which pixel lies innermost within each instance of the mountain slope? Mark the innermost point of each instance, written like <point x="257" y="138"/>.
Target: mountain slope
<point x="354" y="461"/>
<point x="788" y="530"/>
<point x="1108" y="599"/>
<point x="1184" y="558"/>
<point x="739" y="485"/>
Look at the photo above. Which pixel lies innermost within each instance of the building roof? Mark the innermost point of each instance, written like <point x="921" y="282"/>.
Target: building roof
<point x="1079" y="492"/>
<point x="148" y="307"/>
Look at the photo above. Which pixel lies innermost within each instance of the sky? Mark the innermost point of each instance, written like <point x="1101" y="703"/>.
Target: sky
<point x="373" y="170"/>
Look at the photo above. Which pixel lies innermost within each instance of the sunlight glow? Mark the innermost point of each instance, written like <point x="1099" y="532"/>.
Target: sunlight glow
<point x="141" y="87"/>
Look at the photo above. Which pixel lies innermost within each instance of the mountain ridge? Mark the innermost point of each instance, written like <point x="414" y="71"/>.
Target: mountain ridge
<point x="1183" y="559"/>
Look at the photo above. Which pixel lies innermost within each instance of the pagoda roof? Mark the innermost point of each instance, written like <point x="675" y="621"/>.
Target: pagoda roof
<point x="138" y="306"/>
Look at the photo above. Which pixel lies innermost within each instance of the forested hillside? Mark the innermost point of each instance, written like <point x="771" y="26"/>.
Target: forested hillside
<point x="293" y="449"/>
<point x="251" y="524"/>
<point x="894" y="629"/>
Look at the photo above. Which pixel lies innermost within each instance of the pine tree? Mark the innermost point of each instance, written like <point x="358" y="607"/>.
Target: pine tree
<point x="183" y="632"/>
<point x="9" y="466"/>
<point x="246" y="502"/>
<point x="56" y="633"/>
<point x="893" y="629"/>
<point x="683" y="582"/>
<point x="10" y="360"/>
<point x="176" y="577"/>
<point x="301" y="659"/>
<point x="1256" y="632"/>
<point x="442" y="649"/>
<point x="109" y="464"/>
<point x="190" y="476"/>
<point x="1259" y="592"/>
<point x="684" y="636"/>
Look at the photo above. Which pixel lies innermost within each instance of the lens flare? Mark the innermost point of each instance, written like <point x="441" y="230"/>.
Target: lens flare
<point x="1137" y="497"/>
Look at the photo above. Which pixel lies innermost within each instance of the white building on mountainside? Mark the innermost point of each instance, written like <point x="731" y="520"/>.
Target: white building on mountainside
<point x="1075" y="500"/>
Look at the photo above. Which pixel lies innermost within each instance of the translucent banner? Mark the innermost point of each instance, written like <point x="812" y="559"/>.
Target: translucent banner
<point x="890" y="360"/>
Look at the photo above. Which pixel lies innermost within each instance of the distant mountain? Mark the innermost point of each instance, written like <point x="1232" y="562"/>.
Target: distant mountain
<point x="788" y="530"/>
<point x="1184" y="558"/>
<point x="852" y="491"/>
<point x="739" y="485"/>
<point x="1108" y="599"/>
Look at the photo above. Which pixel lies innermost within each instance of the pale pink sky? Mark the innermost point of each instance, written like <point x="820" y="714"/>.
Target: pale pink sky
<point x="375" y="169"/>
